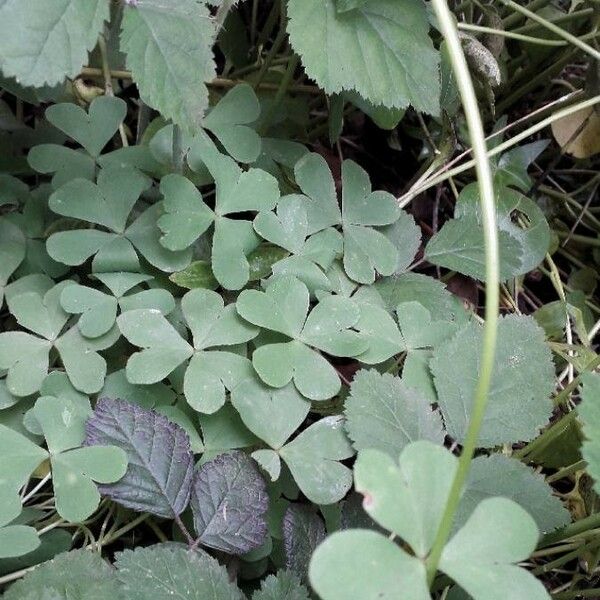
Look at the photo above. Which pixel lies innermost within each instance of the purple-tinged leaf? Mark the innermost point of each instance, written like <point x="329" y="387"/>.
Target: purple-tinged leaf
<point x="229" y="502"/>
<point x="159" y="476"/>
<point x="303" y="531"/>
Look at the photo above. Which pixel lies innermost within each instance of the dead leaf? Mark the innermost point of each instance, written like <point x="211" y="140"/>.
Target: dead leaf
<point x="587" y="143"/>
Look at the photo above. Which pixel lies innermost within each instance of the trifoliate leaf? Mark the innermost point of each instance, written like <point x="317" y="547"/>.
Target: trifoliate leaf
<point x="98" y="310"/>
<point x="46" y="42"/>
<point x="74" y="469"/>
<point x="283" y="308"/>
<point x="229" y="121"/>
<point x="284" y="585"/>
<point x="313" y="456"/>
<point x="498" y="475"/>
<point x="337" y="568"/>
<point x="92" y="129"/>
<point x="160" y="572"/>
<point x="483" y="553"/>
<point x="76" y="574"/>
<point x="388" y="35"/>
<point x="12" y="252"/>
<point x="159" y="473"/>
<point x="270" y="413"/>
<point x="169" y="52"/>
<point x="590" y="415"/>
<point x="21" y="458"/>
<point x="16" y="539"/>
<point x="303" y="531"/>
<point x="519" y="399"/>
<point x="65" y="163"/>
<point x="385" y="414"/>
<point x="147" y="396"/>
<point x="229" y="501"/>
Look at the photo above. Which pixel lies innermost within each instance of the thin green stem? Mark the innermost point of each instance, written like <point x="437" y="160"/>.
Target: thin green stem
<point x="517" y="17"/>
<point x="565" y="558"/>
<point x="566" y="471"/>
<point x="586" y="12"/>
<point x="569" y="37"/>
<point x="486" y="190"/>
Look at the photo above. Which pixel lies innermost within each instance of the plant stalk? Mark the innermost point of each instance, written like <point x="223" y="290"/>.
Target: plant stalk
<point x="488" y="209"/>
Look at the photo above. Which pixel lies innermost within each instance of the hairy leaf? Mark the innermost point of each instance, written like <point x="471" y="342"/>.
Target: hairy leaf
<point x="303" y="531"/>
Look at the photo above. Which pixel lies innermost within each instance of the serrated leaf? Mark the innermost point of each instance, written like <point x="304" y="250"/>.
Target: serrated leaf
<point x="382" y="412"/>
<point x="160" y="572"/>
<point x="519" y="399"/>
<point x="79" y="573"/>
<point x="283" y="585"/>
<point x="313" y="456"/>
<point x="46" y="42"/>
<point x="388" y="35"/>
<point x="303" y="531"/>
<point x="229" y="501"/>
<point x="169" y="51"/>
<point x="159" y="473"/>
<point x="498" y="475"/>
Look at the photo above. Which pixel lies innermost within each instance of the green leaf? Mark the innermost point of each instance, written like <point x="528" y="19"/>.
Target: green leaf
<point x="382" y="412"/>
<point x="589" y="411"/>
<point x="169" y="52"/>
<point x="27" y="358"/>
<point x="483" y="553"/>
<point x="22" y="457"/>
<point x="284" y="585"/>
<point x="313" y="457"/>
<point x="197" y="275"/>
<point x="498" y="475"/>
<point x="98" y="310"/>
<point x="229" y="501"/>
<point x="337" y="568"/>
<point x="75" y="469"/>
<point x="161" y="572"/>
<point x="46" y="42"/>
<point x="390" y="36"/>
<point x="519" y="399"/>
<point x="76" y="574"/>
<point x="94" y="129"/>
<point x="12" y="252"/>
<point x="229" y="121"/>
<point x="303" y="531"/>
<point x="65" y="163"/>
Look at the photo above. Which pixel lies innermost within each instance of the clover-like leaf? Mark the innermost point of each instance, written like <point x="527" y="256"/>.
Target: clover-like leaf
<point x="15" y="539"/>
<point x="313" y="456"/>
<point x="283" y="308"/>
<point x="236" y="191"/>
<point x="380" y="48"/>
<point x="382" y="412"/>
<point x="162" y="571"/>
<point x="209" y="372"/>
<point x="12" y="252"/>
<point x="229" y="502"/>
<point x="22" y="457"/>
<point x="74" y="469"/>
<point x="519" y="398"/>
<point x="160" y="463"/>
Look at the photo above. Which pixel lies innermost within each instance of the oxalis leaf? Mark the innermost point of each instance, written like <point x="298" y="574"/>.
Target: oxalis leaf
<point x="210" y="371"/>
<point x="519" y="398"/>
<point x="169" y="52"/>
<point x="161" y="572"/>
<point x="498" y="534"/>
<point x="15" y="539"/>
<point x="160" y="463"/>
<point x="46" y="42"/>
<point x="229" y="502"/>
<point x="390" y="36"/>
<point x="283" y="308"/>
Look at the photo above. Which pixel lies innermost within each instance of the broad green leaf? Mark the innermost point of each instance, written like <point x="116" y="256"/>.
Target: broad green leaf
<point x="519" y="399"/>
<point x="147" y="396"/>
<point x="75" y="469"/>
<point x="197" y="275"/>
<point x="390" y="36"/>
<point x="283" y="585"/>
<point x="21" y="458"/>
<point x="589" y="411"/>
<point x="498" y="475"/>
<point x="228" y="502"/>
<point x="98" y="310"/>
<point x="382" y="412"/>
<point x="229" y="120"/>
<point x="270" y="413"/>
<point x="169" y="51"/>
<point x="485" y="551"/>
<point x="65" y="163"/>
<point x="337" y="568"/>
<point x="303" y="531"/>
<point x="268" y="460"/>
<point x="160" y="463"/>
<point x="46" y="42"/>
<point x="283" y="308"/>
<point x="313" y="457"/>
<point x="161" y="572"/>
<point x="27" y="358"/>
<point x="262" y="260"/>
<point x="92" y="129"/>
<point x="395" y="491"/>
<point x="511" y="167"/>
<point x="12" y="252"/>
<point x="76" y="574"/>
